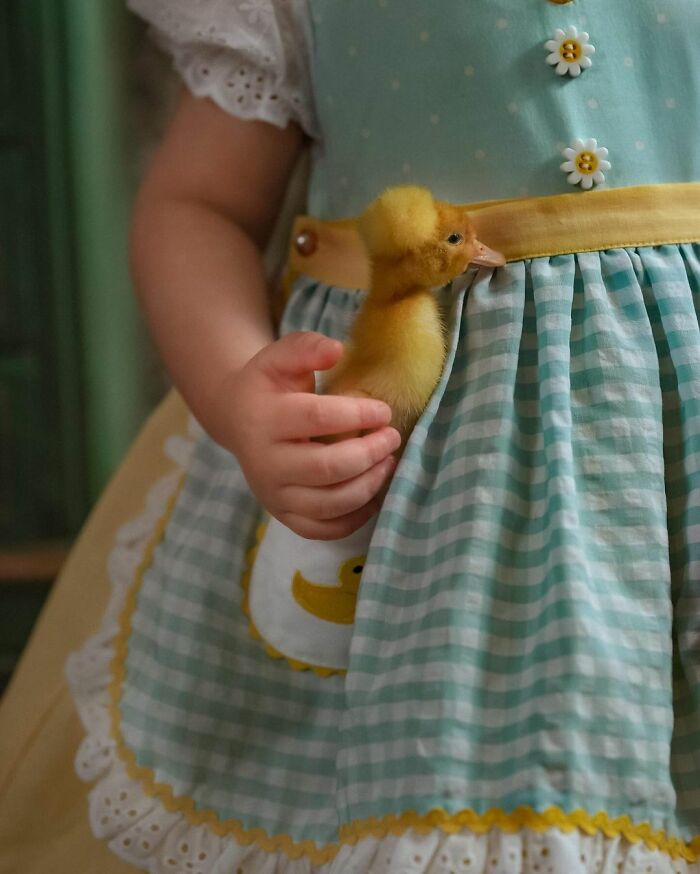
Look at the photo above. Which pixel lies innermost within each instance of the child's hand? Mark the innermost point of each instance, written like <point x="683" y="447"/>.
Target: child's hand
<point x="321" y="491"/>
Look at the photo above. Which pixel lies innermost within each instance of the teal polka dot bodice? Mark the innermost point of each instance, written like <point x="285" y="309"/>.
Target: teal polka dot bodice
<point x="471" y="98"/>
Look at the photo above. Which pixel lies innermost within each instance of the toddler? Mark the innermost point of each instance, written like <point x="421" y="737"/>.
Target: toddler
<point x="519" y="690"/>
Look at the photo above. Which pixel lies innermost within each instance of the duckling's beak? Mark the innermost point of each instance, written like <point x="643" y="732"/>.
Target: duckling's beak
<point x="487" y="257"/>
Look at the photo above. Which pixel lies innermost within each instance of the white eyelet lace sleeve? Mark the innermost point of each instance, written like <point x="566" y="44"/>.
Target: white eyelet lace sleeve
<point x="251" y="57"/>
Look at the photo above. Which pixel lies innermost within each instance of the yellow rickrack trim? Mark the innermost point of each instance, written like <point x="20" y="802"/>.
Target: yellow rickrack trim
<point x="294" y="664"/>
<point x="522" y="817"/>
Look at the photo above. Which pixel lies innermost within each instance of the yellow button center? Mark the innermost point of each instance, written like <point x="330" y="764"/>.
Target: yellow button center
<point x="570" y="50"/>
<point x="586" y="162"/>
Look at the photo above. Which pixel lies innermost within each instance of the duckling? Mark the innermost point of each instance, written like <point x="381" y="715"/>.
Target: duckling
<point x="397" y="347"/>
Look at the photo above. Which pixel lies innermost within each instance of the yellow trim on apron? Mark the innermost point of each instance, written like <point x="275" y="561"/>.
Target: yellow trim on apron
<point x="646" y="215"/>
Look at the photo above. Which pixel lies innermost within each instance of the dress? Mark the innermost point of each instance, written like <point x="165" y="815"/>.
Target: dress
<point x="522" y="691"/>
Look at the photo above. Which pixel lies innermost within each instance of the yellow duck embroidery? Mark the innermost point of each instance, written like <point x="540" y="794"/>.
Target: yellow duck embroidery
<point x="333" y="602"/>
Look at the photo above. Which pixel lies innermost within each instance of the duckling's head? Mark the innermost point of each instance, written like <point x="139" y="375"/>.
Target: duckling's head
<point x="430" y="240"/>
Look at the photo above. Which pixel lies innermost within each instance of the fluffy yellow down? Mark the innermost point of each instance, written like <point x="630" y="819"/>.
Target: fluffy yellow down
<point x="399" y="220"/>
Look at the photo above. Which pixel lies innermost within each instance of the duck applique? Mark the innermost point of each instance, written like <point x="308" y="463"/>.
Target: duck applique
<point x="300" y="596"/>
<point x="332" y="603"/>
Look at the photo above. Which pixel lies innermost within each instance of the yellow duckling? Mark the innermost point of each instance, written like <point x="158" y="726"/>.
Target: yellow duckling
<point x="333" y="603"/>
<point x="397" y="347"/>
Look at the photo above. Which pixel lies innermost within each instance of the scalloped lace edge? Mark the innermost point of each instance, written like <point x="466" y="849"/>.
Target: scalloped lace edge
<point x="278" y="108"/>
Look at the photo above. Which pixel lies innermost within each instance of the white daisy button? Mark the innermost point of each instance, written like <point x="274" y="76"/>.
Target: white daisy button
<point x="570" y="51"/>
<point x="585" y="163"/>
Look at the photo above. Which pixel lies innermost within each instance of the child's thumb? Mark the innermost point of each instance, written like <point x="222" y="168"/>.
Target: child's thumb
<point x="297" y="355"/>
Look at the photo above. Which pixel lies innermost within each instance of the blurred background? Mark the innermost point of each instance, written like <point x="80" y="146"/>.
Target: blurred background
<point x="84" y="98"/>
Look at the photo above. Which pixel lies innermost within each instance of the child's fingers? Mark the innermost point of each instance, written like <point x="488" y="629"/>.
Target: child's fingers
<point x="331" y="502"/>
<point x="319" y="464"/>
<point x="301" y="415"/>
<point x="329" y="529"/>
<point x="293" y="357"/>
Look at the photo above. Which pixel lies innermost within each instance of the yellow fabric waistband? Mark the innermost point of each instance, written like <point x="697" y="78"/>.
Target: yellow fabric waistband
<point x="532" y="227"/>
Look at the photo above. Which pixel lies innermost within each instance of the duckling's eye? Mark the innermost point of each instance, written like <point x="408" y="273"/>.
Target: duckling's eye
<point x="455" y="238"/>
<point x="358" y="569"/>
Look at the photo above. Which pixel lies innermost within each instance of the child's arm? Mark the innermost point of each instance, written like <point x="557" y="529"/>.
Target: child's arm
<point x="206" y="209"/>
<point x="203" y="216"/>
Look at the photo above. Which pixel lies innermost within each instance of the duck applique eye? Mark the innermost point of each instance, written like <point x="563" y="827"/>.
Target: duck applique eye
<point x="358" y="569"/>
<point x="454" y="239"/>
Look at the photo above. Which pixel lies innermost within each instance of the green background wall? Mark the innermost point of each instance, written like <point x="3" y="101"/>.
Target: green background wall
<point x="72" y="348"/>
